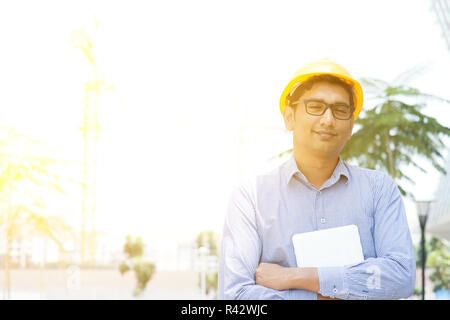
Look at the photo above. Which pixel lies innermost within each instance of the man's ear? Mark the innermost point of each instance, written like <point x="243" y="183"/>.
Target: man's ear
<point x="289" y="117"/>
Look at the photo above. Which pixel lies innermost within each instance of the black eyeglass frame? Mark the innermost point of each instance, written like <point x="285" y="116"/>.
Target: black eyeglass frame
<point x="328" y="105"/>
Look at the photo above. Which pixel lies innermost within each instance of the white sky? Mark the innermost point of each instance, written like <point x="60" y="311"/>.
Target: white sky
<point x="190" y="76"/>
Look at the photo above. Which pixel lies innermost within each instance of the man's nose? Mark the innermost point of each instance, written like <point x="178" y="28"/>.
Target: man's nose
<point x="327" y="119"/>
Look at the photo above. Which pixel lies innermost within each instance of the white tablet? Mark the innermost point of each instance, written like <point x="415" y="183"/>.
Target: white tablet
<point x="329" y="247"/>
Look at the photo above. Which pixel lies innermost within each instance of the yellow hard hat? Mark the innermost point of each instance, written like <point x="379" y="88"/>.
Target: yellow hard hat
<point x="319" y="67"/>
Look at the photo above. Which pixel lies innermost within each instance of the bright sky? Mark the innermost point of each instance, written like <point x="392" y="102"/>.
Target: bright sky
<point x="197" y="88"/>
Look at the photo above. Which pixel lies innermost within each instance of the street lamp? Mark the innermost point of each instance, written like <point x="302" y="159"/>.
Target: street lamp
<point x="423" y="210"/>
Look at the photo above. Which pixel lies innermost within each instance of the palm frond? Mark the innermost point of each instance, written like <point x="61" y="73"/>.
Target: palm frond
<point x="408" y="75"/>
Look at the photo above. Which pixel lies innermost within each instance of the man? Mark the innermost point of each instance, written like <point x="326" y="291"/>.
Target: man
<point x="316" y="190"/>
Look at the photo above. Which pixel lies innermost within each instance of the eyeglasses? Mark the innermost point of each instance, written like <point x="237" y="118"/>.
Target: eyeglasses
<point x="341" y="111"/>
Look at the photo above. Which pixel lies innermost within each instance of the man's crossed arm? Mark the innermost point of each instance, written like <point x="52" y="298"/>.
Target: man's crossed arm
<point x="277" y="277"/>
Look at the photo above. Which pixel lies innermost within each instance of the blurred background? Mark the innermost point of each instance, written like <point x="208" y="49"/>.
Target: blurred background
<point x="125" y="126"/>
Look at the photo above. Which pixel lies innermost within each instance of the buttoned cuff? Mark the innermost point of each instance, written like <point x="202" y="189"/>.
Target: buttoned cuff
<point x="331" y="280"/>
<point x="298" y="294"/>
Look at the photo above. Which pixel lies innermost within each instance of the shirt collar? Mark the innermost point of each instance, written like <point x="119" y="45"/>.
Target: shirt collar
<point x="291" y="169"/>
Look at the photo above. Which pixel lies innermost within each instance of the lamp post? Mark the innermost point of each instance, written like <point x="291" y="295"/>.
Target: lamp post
<point x="423" y="209"/>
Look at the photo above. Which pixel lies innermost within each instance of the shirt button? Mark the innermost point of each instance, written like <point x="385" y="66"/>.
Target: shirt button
<point x="323" y="220"/>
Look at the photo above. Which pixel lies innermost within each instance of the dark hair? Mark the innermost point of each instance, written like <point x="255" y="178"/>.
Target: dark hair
<point x="307" y="85"/>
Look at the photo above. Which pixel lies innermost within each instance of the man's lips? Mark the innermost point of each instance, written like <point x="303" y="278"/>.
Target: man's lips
<point x="325" y="133"/>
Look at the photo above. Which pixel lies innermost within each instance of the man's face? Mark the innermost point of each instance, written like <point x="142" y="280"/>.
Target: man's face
<point x="320" y="135"/>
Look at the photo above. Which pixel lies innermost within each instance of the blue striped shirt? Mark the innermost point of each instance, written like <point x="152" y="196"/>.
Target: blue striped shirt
<point x="265" y="212"/>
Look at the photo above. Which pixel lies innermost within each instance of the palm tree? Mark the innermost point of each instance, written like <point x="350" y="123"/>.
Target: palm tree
<point x="24" y="178"/>
<point x="395" y="131"/>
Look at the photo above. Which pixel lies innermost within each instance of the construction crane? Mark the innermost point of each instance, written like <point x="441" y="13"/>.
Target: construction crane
<point x="90" y="131"/>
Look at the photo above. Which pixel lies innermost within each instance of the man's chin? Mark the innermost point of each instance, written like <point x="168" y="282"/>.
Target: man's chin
<point x="325" y="152"/>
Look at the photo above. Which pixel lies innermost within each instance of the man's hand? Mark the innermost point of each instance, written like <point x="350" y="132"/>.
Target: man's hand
<point x="274" y="276"/>
<point x="271" y="275"/>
